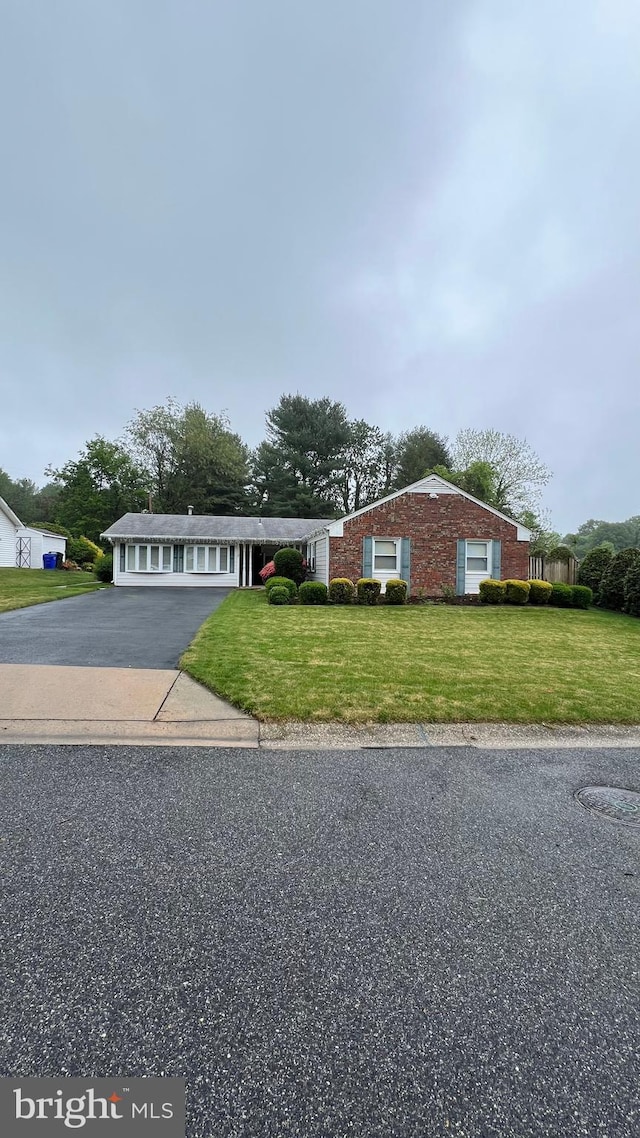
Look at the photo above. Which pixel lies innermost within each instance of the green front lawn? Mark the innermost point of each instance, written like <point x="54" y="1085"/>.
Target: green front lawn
<point x="22" y="587"/>
<point x="431" y="663"/>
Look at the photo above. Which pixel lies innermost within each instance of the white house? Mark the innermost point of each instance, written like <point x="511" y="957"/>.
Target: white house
<point x="193" y="549"/>
<point x="23" y="546"/>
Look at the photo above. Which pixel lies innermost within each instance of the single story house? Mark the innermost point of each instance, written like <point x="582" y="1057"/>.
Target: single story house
<point x="21" y="546"/>
<point x="432" y="534"/>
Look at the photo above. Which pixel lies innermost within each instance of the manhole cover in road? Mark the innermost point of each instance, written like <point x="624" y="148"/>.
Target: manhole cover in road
<point x="611" y="802"/>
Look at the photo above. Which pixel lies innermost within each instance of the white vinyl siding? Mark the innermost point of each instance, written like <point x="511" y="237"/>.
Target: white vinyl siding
<point x="319" y="553"/>
<point x="8" y="534"/>
<point x="477" y="564"/>
<point x="37" y="543"/>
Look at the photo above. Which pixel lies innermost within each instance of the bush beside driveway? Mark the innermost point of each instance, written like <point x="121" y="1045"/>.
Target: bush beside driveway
<point x="431" y="663"/>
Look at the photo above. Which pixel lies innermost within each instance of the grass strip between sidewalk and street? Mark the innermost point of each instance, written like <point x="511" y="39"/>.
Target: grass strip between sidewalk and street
<point x="20" y="588"/>
<point x="420" y="663"/>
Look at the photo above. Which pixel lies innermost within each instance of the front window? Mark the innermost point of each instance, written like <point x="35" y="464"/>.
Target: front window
<point x="385" y="556"/>
<point x="477" y="556"/>
<point x="146" y="558"/>
<point x="209" y="559"/>
<point x="188" y="558"/>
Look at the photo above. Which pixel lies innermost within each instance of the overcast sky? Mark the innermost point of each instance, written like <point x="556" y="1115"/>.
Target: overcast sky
<point x="428" y="210"/>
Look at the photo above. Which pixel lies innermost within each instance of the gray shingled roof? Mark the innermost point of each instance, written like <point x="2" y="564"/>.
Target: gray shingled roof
<point x="185" y="527"/>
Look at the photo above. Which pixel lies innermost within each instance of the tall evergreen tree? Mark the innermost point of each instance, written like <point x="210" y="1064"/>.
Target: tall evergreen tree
<point x="418" y="451"/>
<point x="296" y="470"/>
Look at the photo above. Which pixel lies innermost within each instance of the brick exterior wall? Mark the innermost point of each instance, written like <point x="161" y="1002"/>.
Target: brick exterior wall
<point x="434" y="526"/>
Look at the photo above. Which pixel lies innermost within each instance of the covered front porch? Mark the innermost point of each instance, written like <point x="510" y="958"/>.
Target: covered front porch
<point x="253" y="556"/>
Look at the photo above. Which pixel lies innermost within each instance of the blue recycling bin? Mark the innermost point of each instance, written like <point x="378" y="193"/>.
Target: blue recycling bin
<point x="48" y="560"/>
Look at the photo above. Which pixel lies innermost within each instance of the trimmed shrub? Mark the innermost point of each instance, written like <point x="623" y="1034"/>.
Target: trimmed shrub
<point x="279" y="595"/>
<point x="593" y="567"/>
<point x="539" y="592"/>
<point x="368" y="590"/>
<point x="342" y="591"/>
<point x="395" y="592"/>
<point x="632" y="590"/>
<point x="312" y="593"/>
<point x="493" y="592"/>
<point x="267" y="571"/>
<point x="80" y="549"/>
<point x="561" y="596"/>
<point x="289" y="563"/>
<point x="612" y="584"/>
<point x="282" y="583"/>
<point x="581" y="596"/>
<point x="517" y="592"/>
<point x="103" y="568"/>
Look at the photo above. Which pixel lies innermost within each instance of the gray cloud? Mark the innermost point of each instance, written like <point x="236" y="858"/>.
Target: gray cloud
<point x="429" y="211"/>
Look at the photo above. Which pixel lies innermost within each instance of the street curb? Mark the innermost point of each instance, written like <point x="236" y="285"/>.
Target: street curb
<point x="250" y="734"/>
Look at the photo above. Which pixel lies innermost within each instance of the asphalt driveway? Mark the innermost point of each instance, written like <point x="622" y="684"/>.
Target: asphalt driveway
<point x="111" y="628"/>
<point x="418" y="943"/>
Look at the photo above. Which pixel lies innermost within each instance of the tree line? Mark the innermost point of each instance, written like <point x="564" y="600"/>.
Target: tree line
<point x="314" y="462"/>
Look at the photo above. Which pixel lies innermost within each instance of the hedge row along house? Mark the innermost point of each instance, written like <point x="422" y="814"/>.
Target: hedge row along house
<point x="432" y="534"/>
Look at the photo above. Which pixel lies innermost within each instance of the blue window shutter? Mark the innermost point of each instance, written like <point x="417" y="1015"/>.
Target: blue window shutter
<point x="405" y="562"/>
<point x="496" y="560"/>
<point x="367" y="557"/>
<point x="461" y="567"/>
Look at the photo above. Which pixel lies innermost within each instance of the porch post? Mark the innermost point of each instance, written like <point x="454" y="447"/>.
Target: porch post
<point x="249" y="563"/>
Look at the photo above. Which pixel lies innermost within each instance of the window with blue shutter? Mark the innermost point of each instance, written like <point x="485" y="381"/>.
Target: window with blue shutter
<point x="405" y="562"/>
<point x="496" y="560"/>
<point x="367" y="557"/>
<point x="461" y="567"/>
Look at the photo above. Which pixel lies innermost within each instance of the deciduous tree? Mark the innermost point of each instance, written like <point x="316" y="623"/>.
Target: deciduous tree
<point x="97" y="488"/>
<point x="519" y="473"/>
<point x="192" y="458"/>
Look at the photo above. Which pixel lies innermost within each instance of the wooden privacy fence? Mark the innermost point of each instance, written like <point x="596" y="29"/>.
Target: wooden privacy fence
<point x="556" y="572"/>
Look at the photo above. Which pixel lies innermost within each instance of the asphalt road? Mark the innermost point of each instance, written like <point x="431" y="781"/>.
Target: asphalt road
<point x="112" y="628"/>
<point x="424" y="942"/>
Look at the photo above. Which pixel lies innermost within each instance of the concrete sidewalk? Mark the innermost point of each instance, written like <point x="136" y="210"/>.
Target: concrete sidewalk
<point x="40" y="703"/>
